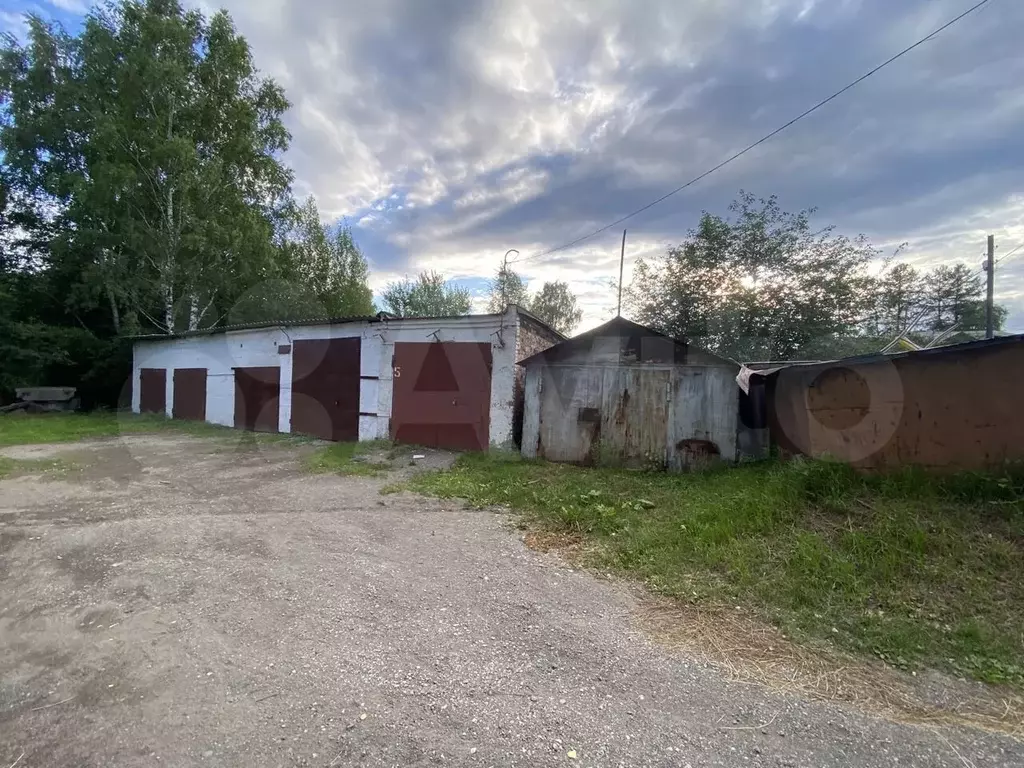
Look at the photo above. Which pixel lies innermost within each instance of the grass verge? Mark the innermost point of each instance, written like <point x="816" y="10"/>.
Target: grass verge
<point x="25" y="429"/>
<point x="911" y="568"/>
<point x="351" y="458"/>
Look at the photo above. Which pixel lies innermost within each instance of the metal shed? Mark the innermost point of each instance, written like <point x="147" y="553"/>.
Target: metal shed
<point x="624" y="394"/>
<point x="449" y="382"/>
<point x="947" y="408"/>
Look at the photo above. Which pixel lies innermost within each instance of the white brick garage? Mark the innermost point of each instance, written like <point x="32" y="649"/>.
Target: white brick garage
<point x="222" y="351"/>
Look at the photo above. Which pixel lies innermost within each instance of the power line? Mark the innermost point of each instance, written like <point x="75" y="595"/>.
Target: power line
<point x="764" y="138"/>
<point x="1008" y="255"/>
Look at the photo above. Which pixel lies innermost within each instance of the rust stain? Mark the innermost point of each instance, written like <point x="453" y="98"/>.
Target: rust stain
<point x="622" y="407"/>
<point x="593" y="457"/>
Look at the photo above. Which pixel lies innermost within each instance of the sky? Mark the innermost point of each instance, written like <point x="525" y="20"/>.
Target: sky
<point x="447" y="132"/>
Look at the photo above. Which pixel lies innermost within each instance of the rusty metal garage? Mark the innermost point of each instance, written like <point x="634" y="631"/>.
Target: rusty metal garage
<point x="944" y="408"/>
<point x="623" y="394"/>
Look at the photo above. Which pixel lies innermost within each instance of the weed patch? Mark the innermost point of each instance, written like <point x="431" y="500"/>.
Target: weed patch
<point x="350" y="459"/>
<point x="912" y="568"/>
<point x="9" y="467"/>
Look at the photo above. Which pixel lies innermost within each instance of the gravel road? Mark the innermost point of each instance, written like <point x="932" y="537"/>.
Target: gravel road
<point x="182" y="601"/>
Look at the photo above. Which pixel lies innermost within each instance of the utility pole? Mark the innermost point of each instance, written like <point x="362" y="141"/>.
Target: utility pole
<point x="622" y="260"/>
<point x="990" y="269"/>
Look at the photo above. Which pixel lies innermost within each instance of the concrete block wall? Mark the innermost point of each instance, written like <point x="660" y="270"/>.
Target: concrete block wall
<point x="219" y="353"/>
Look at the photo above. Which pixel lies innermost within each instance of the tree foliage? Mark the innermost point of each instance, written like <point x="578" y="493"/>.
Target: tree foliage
<point x="508" y="287"/>
<point x="149" y="147"/>
<point x="430" y="294"/>
<point x="763" y="283"/>
<point x="757" y="285"/>
<point x="143" y="190"/>
<point x="327" y="264"/>
<point x="555" y="304"/>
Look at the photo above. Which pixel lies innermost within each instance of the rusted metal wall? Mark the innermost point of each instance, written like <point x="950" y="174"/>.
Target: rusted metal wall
<point x="955" y="410"/>
<point x="189" y="400"/>
<point x="257" y="398"/>
<point x="442" y="394"/>
<point x="631" y="415"/>
<point x="570" y="413"/>
<point x="153" y="390"/>
<point x="635" y="417"/>
<point x="704" y="416"/>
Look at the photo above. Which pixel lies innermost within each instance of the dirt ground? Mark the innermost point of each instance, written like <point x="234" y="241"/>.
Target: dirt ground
<point x="180" y="601"/>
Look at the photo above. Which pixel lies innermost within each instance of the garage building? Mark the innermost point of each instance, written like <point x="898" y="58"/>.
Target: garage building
<point x="449" y="382"/>
<point x="625" y="394"/>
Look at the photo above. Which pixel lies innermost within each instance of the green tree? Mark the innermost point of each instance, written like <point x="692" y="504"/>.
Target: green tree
<point x="149" y="147"/>
<point x="429" y="295"/>
<point x="759" y="284"/>
<point x="555" y="304"/>
<point x="954" y="296"/>
<point x="508" y="287"/>
<point x="327" y="264"/>
<point x="900" y="295"/>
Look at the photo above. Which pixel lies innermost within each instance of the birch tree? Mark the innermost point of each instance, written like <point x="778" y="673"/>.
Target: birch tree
<point x="555" y="304"/>
<point x="151" y="146"/>
<point x="430" y="295"/>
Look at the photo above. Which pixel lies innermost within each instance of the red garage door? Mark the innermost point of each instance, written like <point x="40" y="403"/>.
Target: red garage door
<point x="442" y="395"/>
<point x="153" y="390"/>
<point x="325" y="388"/>
<point x="257" y="394"/>
<point x="189" y="394"/>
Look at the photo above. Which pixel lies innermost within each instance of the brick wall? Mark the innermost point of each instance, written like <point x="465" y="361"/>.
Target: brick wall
<point x="533" y="337"/>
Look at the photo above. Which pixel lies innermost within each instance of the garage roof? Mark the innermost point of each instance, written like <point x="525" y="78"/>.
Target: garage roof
<point x="380" y="317"/>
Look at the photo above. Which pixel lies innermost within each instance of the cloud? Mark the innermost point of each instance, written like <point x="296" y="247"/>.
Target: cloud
<point x="13" y="23"/>
<point x="450" y="131"/>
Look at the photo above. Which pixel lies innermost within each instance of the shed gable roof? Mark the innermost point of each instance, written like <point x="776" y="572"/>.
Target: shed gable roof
<point x="669" y="350"/>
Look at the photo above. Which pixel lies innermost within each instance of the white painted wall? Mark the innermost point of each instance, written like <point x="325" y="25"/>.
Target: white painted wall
<point x="219" y="353"/>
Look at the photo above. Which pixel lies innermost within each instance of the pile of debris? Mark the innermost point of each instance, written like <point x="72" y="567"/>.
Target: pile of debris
<point x="43" y="400"/>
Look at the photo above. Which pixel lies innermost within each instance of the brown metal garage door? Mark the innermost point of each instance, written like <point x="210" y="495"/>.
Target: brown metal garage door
<point x="189" y="394"/>
<point x="442" y="395"/>
<point x="325" y="388"/>
<point x="153" y="390"/>
<point x="257" y="394"/>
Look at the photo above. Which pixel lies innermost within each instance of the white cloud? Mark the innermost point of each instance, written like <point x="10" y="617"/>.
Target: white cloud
<point x="13" y="23"/>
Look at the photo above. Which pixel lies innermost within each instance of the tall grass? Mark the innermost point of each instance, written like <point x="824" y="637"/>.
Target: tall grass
<point x="911" y="567"/>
